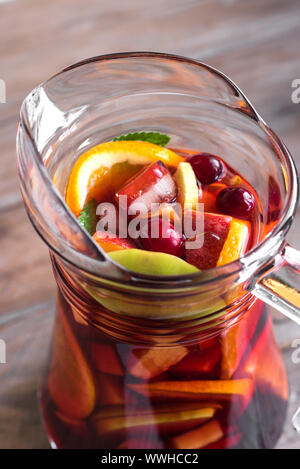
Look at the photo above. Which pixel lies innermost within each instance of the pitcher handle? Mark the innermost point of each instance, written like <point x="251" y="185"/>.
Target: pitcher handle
<point x="280" y="286"/>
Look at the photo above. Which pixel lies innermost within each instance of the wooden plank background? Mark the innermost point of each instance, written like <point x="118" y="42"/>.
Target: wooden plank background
<point x="255" y="42"/>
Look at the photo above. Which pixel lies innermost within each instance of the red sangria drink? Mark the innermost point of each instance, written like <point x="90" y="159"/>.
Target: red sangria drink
<point x="130" y="369"/>
<point x="165" y="201"/>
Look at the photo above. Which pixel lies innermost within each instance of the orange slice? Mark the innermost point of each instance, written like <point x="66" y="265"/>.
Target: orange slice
<point x="99" y="172"/>
<point x="199" y="437"/>
<point x="110" y="244"/>
<point x="194" y="390"/>
<point x="236" y="242"/>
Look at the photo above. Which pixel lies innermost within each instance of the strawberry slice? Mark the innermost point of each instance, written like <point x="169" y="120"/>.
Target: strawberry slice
<point x="153" y="184"/>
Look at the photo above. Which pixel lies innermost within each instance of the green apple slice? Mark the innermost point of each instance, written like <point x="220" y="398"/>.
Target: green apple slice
<point x="152" y="263"/>
<point x="155" y="304"/>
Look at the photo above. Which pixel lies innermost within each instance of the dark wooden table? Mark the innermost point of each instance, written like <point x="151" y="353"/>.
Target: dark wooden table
<point x="255" y="42"/>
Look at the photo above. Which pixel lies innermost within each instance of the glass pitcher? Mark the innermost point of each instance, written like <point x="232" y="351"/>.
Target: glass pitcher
<point x="159" y="362"/>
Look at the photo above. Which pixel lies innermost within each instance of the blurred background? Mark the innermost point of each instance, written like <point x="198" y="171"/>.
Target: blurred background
<point x="255" y="42"/>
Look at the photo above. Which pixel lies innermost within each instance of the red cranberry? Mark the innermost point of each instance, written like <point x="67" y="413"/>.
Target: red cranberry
<point x="236" y="201"/>
<point x="160" y="235"/>
<point x="207" y="168"/>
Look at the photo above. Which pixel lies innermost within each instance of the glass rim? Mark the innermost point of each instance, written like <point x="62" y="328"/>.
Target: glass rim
<point x="216" y="274"/>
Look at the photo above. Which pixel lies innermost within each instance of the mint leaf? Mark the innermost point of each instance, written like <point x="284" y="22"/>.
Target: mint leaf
<point x="151" y="137"/>
<point x="88" y="218"/>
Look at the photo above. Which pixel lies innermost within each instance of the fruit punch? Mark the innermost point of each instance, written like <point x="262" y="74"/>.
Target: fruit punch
<point x="133" y="369"/>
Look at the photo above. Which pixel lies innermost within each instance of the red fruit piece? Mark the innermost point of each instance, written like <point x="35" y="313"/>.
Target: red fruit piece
<point x="266" y="366"/>
<point x="209" y="343"/>
<point x="198" y="364"/>
<point x="216" y="229"/>
<point x="225" y="239"/>
<point x="153" y="184"/>
<point x="105" y="359"/>
<point x="160" y="235"/>
<point x="111" y="243"/>
<point x="70" y="381"/>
